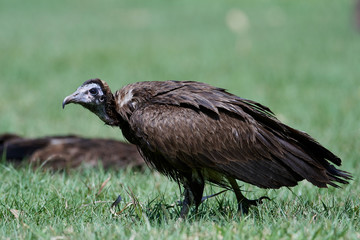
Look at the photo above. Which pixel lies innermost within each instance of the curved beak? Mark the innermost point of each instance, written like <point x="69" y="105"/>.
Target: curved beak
<point x="73" y="98"/>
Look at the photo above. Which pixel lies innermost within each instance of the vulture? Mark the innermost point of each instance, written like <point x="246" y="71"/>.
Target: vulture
<point x="195" y="133"/>
<point x="65" y="152"/>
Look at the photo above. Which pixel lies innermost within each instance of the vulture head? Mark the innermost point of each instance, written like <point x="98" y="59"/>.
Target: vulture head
<point x="96" y="96"/>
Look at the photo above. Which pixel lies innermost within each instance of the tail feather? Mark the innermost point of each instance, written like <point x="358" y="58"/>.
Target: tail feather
<point x="319" y="156"/>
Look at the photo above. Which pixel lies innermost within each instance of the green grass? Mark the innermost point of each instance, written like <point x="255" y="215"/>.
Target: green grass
<point x="300" y="58"/>
<point x="68" y="205"/>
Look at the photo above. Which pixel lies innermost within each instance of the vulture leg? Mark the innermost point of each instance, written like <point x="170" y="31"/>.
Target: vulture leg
<point x="212" y="195"/>
<point x="206" y="197"/>
<point x="243" y="202"/>
<point x="193" y="192"/>
<point x="186" y="203"/>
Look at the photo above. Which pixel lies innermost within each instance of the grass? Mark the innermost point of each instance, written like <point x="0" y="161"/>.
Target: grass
<point x="297" y="57"/>
<point x="39" y="204"/>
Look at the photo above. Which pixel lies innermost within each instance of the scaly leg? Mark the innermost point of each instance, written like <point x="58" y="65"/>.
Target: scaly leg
<point x="193" y="191"/>
<point x="243" y="202"/>
<point x="186" y="203"/>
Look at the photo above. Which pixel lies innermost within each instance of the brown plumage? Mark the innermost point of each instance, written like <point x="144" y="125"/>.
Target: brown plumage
<point x="195" y="133"/>
<point x="65" y="152"/>
<point x="357" y="15"/>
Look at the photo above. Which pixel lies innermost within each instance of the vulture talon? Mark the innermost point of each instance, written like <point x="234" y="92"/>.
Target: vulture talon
<point x="245" y="204"/>
<point x="259" y="201"/>
<point x="196" y="133"/>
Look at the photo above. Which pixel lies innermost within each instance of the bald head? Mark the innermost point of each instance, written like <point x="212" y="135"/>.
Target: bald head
<point x="92" y="95"/>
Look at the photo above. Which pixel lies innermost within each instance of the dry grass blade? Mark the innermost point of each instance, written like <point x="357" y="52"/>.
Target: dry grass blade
<point x="103" y="185"/>
<point x="16" y="213"/>
<point x="122" y="210"/>
<point x="137" y="207"/>
<point x="136" y="204"/>
<point x="58" y="238"/>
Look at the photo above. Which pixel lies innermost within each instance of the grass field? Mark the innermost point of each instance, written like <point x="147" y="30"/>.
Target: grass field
<point x="300" y="58"/>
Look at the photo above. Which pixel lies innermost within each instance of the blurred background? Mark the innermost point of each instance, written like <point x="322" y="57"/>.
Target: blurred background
<point x="300" y="58"/>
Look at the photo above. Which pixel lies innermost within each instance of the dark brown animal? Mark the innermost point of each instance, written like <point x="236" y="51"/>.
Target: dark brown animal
<point x="65" y="152"/>
<point x="195" y="133"/>
<point x="357" y="15"/>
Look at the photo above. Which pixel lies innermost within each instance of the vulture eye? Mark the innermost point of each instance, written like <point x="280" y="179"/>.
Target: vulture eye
<point x="93" y="91"/>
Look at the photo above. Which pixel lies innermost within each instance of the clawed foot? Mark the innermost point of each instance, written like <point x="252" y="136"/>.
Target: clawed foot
<point x="186" y="203"/>
<point x="245" y="204"/>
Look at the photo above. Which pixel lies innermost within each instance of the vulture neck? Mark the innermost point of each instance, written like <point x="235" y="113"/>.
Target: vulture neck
<point x="108" y="114"/>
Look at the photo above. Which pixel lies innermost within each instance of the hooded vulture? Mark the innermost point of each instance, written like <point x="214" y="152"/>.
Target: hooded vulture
<point x="65" y="152"/>
<point x="196" y="133"/>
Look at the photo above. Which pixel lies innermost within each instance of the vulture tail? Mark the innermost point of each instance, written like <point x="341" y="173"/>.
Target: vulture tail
<point x="318" y="158"/>
<point x="304" y="155"/>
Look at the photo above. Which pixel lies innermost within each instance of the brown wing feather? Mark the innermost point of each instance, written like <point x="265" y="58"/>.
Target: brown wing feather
<point x="180" y="126"/>
<point x="240" y="149"/>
